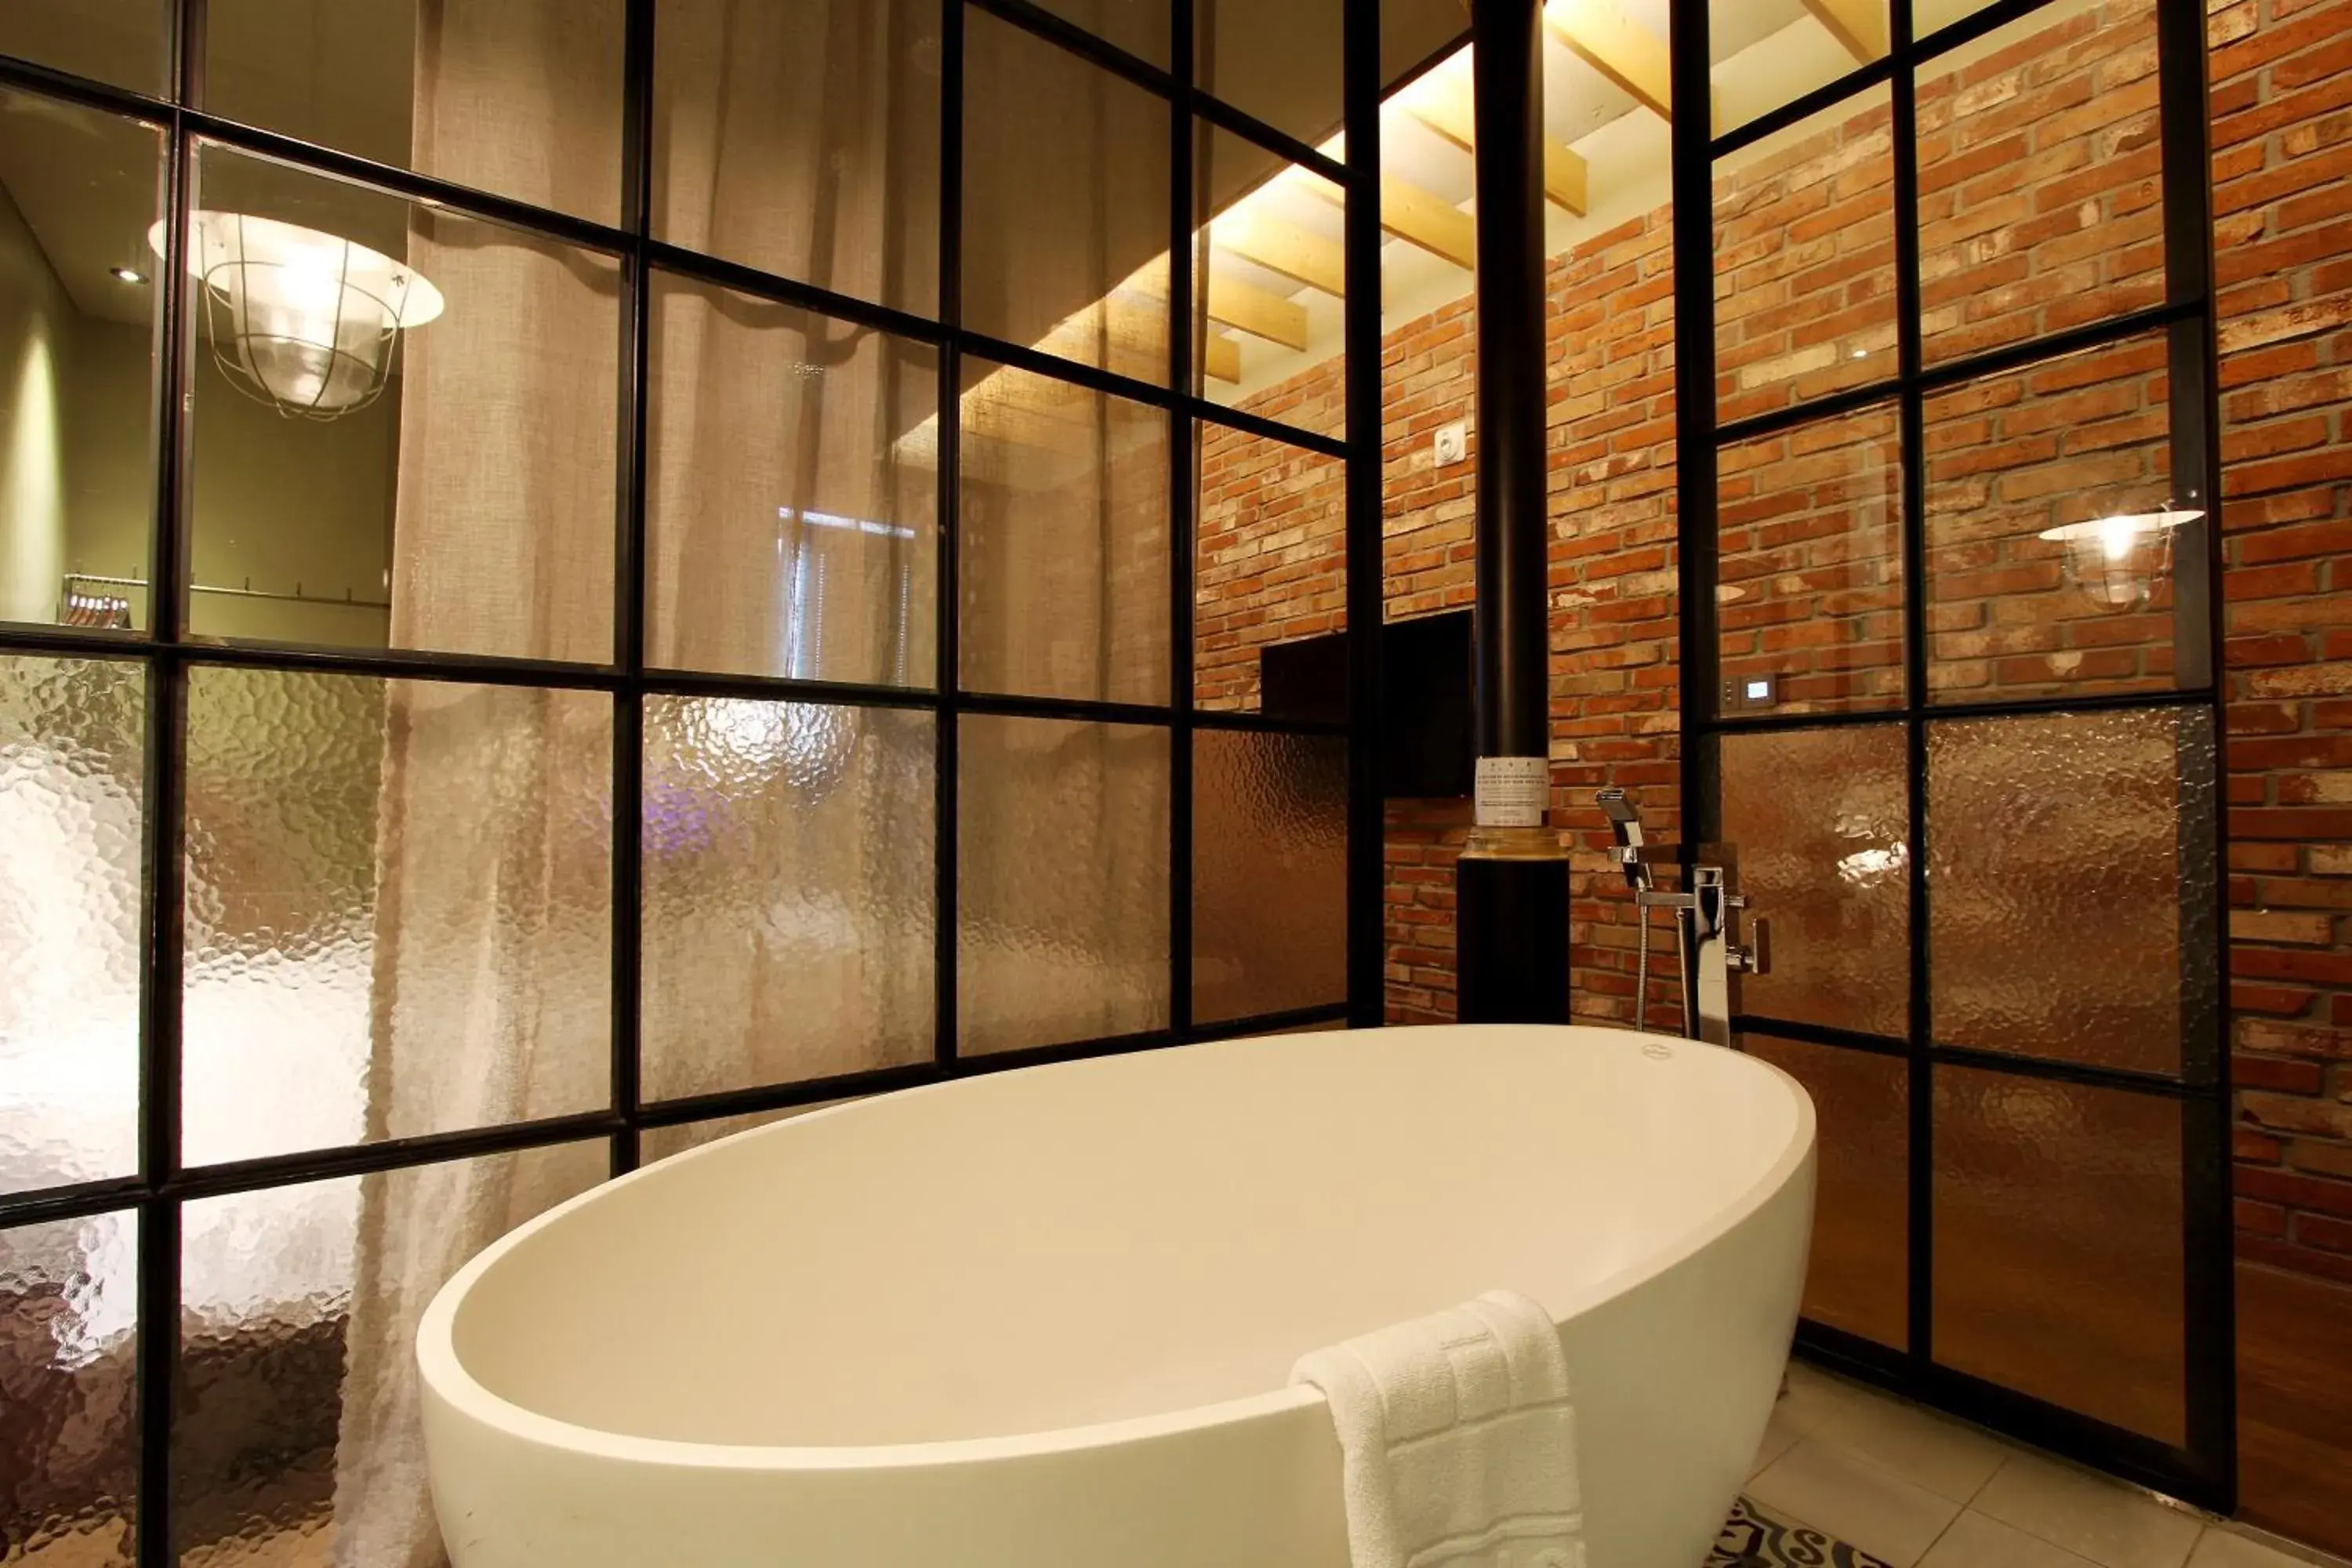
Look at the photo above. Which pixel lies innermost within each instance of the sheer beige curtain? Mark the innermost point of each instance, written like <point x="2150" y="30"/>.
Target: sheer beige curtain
<point x="493" y="853"/>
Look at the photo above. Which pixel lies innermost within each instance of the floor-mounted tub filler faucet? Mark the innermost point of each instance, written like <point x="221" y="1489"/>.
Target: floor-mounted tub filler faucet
<point x="1706" y="923"/>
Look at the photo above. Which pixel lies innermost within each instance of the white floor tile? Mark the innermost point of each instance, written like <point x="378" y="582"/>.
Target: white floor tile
<point x="1779" y="1435"/>
<point x="1933" y="1451"/>
<point x="1844" y="1495"/>
<point x="2089" y="1515"/>
<point x="1978" y="1541"/>
<point x="2223" y="1548"/>
<point x="1813" y="1397"/>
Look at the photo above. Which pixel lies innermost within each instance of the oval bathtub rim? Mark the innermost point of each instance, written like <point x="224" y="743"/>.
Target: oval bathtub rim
<point x="444" y="1377"/>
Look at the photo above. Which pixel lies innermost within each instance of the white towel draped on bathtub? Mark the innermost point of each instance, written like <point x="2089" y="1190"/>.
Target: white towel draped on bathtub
<point x="1458" y="1439"/>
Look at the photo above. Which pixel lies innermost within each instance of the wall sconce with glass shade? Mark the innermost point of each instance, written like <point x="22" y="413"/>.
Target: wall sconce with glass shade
<point x="305" y="321"/>
<point x="2116" y="561"/>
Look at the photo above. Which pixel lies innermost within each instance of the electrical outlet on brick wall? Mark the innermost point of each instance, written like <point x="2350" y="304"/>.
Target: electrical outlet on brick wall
<point x="1451" y="445"/>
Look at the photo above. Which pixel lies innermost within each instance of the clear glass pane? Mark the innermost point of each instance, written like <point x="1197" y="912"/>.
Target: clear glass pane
<point x="1820" y="821"/>
<point x="1810" y="535"/>
<point x="2070" y="865"/>
<point x="1141" y="28"/>
<point x="78" y="191"/>
<point x="69" y="1342"/>
<point x="661" y="1142"/>
<point x="297" y="1437"/>
<point x="788" y="891"/>
<point x="2051" y="530"/>
<point x="1804" y="259"/>
<point x="399" y="905"/>
<point x="126" y="43"/>
<point x="1278" y="62"/>
<point x="1860" y="1276"/>
<point x="1269" y="873"/>
<point x="2041" y="178"/>
<point x="1270" y="585"/>
<point x="1766" y="56"/>
<point x="73" y="806"/>
<point x="801" y="137"/>
<point x="1270" y="271"/>
<point x="792" y="498"/>
<point x="2058" y="1244"/>
<point x="1062" y="877"/>
<point x="520" y="97"/>
<point x="1065" y="203"/>
<point x="403" y="427"/>
<point x="1065" y="529"/>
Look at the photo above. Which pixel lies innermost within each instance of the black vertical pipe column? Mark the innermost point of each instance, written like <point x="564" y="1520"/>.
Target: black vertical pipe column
<point x="1511" y="884"/>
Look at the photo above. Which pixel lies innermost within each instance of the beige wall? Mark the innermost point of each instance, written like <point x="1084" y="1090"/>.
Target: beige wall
<point x="36" y="320"/>
<point x="279" y="504"/>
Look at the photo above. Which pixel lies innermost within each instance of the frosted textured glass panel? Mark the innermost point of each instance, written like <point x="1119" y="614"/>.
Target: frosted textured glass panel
<point x="297" y="1438"/>
<point x="1859" y="1279"/>
<point x="1062" y="877"/>
<point x="72" y="787"/>
<point x="789" y="882"/>
<point x="1065" y="540"/>
<point x="2058" y="1244"/>
<point x="1819" y="818"/>
<point x="1811" y="557"/>
<point x="399" y="900"/>
<point x="2066" y="855"/>
<point x="69" y="1393"/>
<point x="1269" y="872"/>
<point x="789" y="529"/>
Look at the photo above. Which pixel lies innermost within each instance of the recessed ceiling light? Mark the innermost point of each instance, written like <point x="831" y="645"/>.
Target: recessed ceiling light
<point x="124" y="275"/>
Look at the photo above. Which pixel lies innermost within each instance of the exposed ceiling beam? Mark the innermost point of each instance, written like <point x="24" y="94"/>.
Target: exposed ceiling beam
<point x="1254" y="311"/>
<point x="1294" y="252"/>
<point x="1428" y="220"/>
<point x="1441" y="102"/>
<point x="1860" y="25"/>
<point x="1418" y="216"/>
<point x="1599" y="33"/>
<point x="1221" y="358"/>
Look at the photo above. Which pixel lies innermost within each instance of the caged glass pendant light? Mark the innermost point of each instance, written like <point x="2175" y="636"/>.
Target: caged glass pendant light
<point x="2116" y="561"/>
<point x="305" y="321"/>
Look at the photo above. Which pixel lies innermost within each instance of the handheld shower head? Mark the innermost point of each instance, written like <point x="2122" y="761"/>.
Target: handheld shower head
<point x="1625" y="822"/>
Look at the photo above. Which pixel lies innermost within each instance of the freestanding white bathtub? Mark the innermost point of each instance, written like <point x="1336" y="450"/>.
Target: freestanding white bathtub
<point x="1045" y="1318"/>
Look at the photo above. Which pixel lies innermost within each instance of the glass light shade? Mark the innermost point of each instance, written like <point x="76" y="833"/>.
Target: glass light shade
<point x="305" y="320"/>
<point x="2116" y="561"/>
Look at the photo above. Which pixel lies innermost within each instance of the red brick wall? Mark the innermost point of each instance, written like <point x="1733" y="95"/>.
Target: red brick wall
<point x="2039" y="179"/>
<point x="2282" y="77"/>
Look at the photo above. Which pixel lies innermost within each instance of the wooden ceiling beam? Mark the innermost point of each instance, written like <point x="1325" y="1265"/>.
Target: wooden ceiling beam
<point x="1221" y="358"/>
<point x="1295" y="253"/>
<point x="1257" y="312"/>
<point x="1602" y="36"/>
<point x="1420" y="216"/>
<point x="1441" y="102"/>
<point x="1858" y="26"/>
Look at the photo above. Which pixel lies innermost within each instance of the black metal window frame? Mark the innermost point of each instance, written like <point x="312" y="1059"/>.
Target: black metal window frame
<point x="167" y="652"/>
<point x="2203" y="1470"/>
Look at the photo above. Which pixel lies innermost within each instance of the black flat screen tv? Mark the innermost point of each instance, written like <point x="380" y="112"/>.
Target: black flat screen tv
<point x="1428" y="665"/>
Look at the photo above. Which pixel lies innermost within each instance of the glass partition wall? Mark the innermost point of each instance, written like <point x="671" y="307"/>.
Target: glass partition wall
<point x="1947" y="497"/>
<point x="579" y="577"/>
